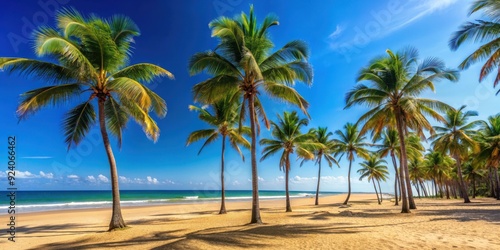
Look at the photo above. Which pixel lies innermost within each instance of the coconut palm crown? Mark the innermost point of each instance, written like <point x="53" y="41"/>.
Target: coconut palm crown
<point x="91" y="57"/>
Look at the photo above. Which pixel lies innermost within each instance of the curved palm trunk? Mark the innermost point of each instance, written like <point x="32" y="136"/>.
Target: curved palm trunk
<point x="402" y="161"/>
<point x="116" y="218"/>
<point x="223" y="191"/>
<point x="396" y="178"/>
<point x="348" y="183"/>
<point x="319" y="177"/>
<point x="380" y="190"/>
<point x="375" y="187"/>
<point x="287" y="172"/>
<point x="255" y="178"/>
<point x="463" y="188"/>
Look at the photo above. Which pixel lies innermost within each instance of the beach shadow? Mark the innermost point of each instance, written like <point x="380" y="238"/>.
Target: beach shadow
<point x="250" y="236"/>
<point x="87" y="243"/>
<point x="58" y="230"/>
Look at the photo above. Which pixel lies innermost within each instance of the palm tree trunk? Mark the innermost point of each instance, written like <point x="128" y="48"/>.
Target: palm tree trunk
<point x="375" y="187"/>
<point x="380" y="190"/>
<point x="498" y="183"/>
<point x="463" y="188"/>
<point x="402" y="163"/>
<point x="319" y="178"/>
<point x="255" y="178"/>
<point x="447" y="190"/>
<point x="287" y="172"/>
<point x="116" y="217"/>
<point x="473" y="186"/>
<point x="223" y="191"/>
<point x="415" y="183"/>
<point x="348" y="183"/>
<point x="396" y="178"/>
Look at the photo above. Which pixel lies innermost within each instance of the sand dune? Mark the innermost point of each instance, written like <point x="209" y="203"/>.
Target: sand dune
<point x="438" y="224"/>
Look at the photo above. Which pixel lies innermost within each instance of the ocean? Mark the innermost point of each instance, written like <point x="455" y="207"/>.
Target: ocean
<point x="35" y="201"/>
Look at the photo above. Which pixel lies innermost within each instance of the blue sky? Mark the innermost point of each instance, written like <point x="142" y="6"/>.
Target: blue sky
<point x="343" y="36"/>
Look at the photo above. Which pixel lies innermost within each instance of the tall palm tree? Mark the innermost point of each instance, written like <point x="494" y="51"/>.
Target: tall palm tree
<point x="224" y="121"/>
<point x="455" y="137"/>
<point x="375" y="170"/>
<point x="351" y="143"/>
<point x="396" y="82"/>
<point x="288" y="138"/>
<point x="486" y="32"/>
<point x="243" y="62"/>
<point x="91" y="57"/>
<point x="489" y="138"/>
<point x="327" y="151"/>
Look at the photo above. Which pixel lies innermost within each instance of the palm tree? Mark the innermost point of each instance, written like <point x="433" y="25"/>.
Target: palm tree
<point x="287" y="137"/>
<point x="243" y="62"/>
<point x="375" y="170"/>
<point x="489" y="138"/>
<point x="390" y="145"/>
<point x="224" y="120"/>
<point x="91" y="57"/>
<point x="438" y="165"/>
<point x="327" y="151"/>
<point x="397" y="81"/>
<point x="482" y="31"/>
<point x="455" y="137"/>
<point x="351" y="143"/>
<point x="473" y="169"/>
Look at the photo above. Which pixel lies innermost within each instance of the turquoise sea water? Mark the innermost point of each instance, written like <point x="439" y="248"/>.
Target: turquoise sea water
<point x="32" y="201"/>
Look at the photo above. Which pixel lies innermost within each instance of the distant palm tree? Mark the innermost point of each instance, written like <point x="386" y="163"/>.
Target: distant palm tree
<point x="473" y="169"/>
<point x="225" y="122"/>
<point x="243" y="62"/>
<point x="321" y="136"/>
<point x="390" y="145"/>
<point x="438" y="166"/>
<point x="482" y="31"/>
<point x="456" y="137"/>
<point x="288" y="138"/>
<point x="396" y="82"/>
<point x="375" y="170"/>
<point x="351" y="143"/>
<point x="91" y="56"/>
<point x="489" y="138"/>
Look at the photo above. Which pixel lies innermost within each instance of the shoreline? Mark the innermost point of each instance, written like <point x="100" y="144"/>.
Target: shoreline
<point x="436" y="223"/>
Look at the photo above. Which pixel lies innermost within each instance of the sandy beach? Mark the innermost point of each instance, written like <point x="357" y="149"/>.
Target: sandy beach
<point x="437" y="224"/>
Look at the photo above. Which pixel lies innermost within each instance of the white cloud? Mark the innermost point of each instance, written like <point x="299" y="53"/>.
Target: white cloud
<point x="337" y="32"/>
<point x="37" y="157"/>
<point x="91" y="178"/>
<point x="280" y="178"/>
<point x="102" y="178"/>
<point x="236" y="183"/>
<point x="261" y="179"/>
<point x="168" y="182"/>
<point x="25" y="174"/>
<point x="152" y="180"/>
<point x="72" y="176"/>
<point x="46" y="175"/>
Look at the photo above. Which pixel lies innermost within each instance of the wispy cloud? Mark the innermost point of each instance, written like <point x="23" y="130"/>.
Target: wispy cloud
<point x="383" y="22"/>
<point x="415" y="10"/>
<point x="37" y="157"/>
<point x="337" y="32"/>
